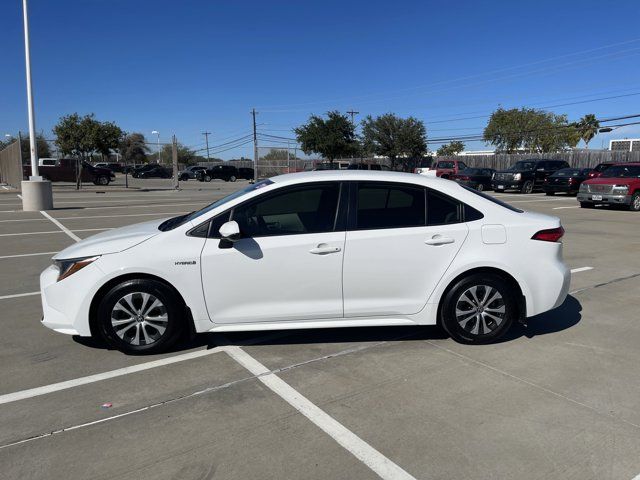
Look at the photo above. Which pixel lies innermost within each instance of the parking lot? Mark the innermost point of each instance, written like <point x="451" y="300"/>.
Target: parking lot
<point x="559" y="398"/>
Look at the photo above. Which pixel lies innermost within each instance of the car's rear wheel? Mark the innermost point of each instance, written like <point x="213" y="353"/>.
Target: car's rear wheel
<point x="480" y="187"/>
<point x="207" y="178"/>
<point x="232" y="178"/>
<point x="634" y="206"/>
<point x="140" y="316"/>
<point x="479" y="309"/>
<point x="527" y="187"/>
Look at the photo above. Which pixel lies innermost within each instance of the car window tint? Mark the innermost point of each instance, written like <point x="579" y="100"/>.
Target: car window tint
<point x="442" y="210"/>
<point x="309" y="209"/>
<point x="389" y="206"/>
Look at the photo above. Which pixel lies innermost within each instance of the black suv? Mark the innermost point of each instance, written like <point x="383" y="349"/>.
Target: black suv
<point x="228" y="173"/>
<point x="526" y="175"/>
<point x="246" y="173"/>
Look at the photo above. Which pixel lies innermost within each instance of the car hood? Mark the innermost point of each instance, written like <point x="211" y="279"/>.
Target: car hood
<point x="112" y="241"/>
<point x="611" y="180"/>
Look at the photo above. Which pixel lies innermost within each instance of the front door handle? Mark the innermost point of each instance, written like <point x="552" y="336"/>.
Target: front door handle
<point x="324" y="249"/>
<point x="439" y="240"/>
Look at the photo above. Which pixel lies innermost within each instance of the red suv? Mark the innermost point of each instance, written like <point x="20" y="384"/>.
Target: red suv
<point x="618" y="185"/>
<point x="446" y="168"/>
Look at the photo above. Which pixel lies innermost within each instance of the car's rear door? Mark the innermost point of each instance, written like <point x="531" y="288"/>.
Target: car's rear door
<point x="288" y="264"/>
<point x="401" y="239"/>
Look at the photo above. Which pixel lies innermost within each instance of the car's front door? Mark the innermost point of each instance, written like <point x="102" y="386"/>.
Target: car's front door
<point x="288" y="264"/>
<point x="401" y="240"/>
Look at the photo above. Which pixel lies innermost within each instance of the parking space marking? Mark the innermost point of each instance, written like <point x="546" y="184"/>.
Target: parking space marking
<point x="360" y="449"/>
<point x="28" y="255"/>
<point x="556" y="199"/>
<point x="61" y="227"/>
<point x="84" y="217"/>
<point x="48" y="232"/>
<point x="581" y="269"/>
<point x="17" y="295"/>
<point x="562" y="208"/>
<point x="98" y="377"/>
<point x="125" y="206"/>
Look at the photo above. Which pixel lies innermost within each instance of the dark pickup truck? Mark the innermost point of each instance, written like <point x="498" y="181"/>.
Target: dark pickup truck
<point x="66" y="170"/>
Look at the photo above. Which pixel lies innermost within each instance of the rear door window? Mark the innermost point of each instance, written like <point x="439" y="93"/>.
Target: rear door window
<point x="380" y="205"/>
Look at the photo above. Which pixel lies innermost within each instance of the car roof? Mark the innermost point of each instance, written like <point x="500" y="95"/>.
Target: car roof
<point x="627" y="164"/>
<point x="363" y="175"/>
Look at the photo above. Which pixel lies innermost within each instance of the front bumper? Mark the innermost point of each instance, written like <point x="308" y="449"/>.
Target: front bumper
<point x="499" y="186"/>
<point x="604" y="198"/>
<point x="559" y="188"/>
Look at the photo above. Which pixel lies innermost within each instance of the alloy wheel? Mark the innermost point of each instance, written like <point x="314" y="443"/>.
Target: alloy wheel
<point x="139" y="318"/>
<point x="480" y="310"/>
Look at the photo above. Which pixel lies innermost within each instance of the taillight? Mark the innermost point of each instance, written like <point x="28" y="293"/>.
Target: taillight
<point x="550" y="235"/>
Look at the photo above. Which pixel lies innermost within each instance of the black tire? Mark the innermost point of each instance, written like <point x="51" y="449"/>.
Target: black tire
<point x="479" y="326"/>
<point x="527" y="187"/>
<point x="549" y="194"/>
<point x="184" y="178"/>
<point x="232" y="178"/>
<point x="586" y="205"/>
<point x="172" y="308"/>
<point x="207" y="178"/>
<point x="480" y="187"/>
<point x="634" y="206"/>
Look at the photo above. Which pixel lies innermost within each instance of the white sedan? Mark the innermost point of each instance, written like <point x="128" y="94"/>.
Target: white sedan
<point x="310" y="250"/>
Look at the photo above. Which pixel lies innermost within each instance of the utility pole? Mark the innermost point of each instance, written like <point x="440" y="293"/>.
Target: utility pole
<point x="255" y="147"/>
<point x="174" y="160"/>
<point x="206" y="139"/>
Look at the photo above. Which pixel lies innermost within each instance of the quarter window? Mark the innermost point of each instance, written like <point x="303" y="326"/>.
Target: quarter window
<point x="442" y="210"/>
<point x="295" y="211"/>
<point x="389" y="206"/>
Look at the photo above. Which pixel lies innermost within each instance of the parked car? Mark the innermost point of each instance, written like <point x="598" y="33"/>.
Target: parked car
<point x="368" y="166"/>
<point x="246" y="173"/>
<point x="335" y="165"/>
<point x="598" y="169"/>
<point x="526" y="175"/>
<point x="478" y="178"/>
<point x="191" y="172"/>
<point x="446" y="168"/>
<point x="156" y="172"/>
<point x="142" y="168"/>
<point x="618" y="185"/>
<point x="66" y="170"/>
<point x="114" y="167"/>
<point x="228" y="173"/>
<point x="326" y="239"/>
<point x="565" y="180"/>
<point x="423" y="165"/>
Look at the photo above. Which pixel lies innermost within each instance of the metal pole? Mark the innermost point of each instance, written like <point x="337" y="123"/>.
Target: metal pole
<point x="255" y="147"/>
<point x="158" y="133"/>
<point x="174" y="159"/>
<point x="206" y="139"/>
<point x="288" y="167"/>
<point x="32" y="120"/>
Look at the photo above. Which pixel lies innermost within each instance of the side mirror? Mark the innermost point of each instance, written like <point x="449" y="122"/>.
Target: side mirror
<point x="230" y="231"/>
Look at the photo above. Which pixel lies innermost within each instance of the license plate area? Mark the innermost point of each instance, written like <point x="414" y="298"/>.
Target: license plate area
<point x="596" y="197"/>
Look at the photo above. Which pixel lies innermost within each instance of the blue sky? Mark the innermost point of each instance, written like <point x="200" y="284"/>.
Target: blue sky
<point x="190" y="66"/>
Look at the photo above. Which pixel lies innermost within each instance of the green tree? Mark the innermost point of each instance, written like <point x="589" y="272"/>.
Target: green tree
<point x="403" y="139"/>
<point x="332" y="138"/>
<point x="279" y="154"/>
<point x="185" y="154"/>
<point x="133" y="148"/>
<point x="82" y="136"/>
<point x="529" y="129"/>
<point x="449" y="149"/>
<point x="587" y="128"/>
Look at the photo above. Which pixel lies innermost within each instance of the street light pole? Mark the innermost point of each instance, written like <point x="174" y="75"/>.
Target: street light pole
<point x="36" y="193"/>
<point x="155" y="132"/>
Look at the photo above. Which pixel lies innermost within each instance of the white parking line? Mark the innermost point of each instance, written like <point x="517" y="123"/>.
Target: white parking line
<point x="48" y="232"/>
<point x="17" y="295"/>
<point x="545" y="200"/>
<point x="562" y="208"/>
<point x="124" y="206"/>
<point x="91" y="216"/>
<point x="581" y="269"/>
<point x="98" y="377"/>
<point x="360" y="449"/>
<point x="28" y="255"/>
<point x="61" y="227"/>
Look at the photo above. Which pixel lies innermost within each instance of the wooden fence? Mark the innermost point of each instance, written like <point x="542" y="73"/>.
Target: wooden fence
<point x="11" y="165"/>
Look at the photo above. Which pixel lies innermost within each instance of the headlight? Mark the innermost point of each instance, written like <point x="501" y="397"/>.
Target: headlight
<point x="517" y="176"/>
<point x="621" y="189"/>
<point x="584" y="187"/>
<point x="72" y="265"/>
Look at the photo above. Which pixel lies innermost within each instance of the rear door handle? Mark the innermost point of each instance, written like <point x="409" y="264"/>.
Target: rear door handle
<point x="439" y="240"/>
<point x="324" y="249"/>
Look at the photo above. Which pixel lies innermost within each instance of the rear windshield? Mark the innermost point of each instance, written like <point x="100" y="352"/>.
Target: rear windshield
<point x="522" y="165"/>
<point x="622" y="171"/>
<point x="493" y="199"/>
<point x="567" y="172"/>
<point x="445" y="165"/>
<point x="182" y="219"/>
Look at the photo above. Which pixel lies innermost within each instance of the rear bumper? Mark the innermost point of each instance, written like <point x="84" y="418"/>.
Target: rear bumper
<point x="559" y="189"/>
<point x="604" y="198"/>
<point x="506" y="185"/>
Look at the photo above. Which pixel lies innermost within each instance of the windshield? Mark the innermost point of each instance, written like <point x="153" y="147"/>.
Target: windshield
<point x="445" y="165"/>
<point x="622" y="171"/>
<point x="182" y="219"/>
<point x="522" y="165"/>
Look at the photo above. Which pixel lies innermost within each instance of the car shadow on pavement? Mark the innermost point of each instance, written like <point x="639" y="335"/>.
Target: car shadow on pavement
<point x="565" y="316"/>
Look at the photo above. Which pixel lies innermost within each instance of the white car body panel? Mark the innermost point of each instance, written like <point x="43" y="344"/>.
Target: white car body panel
<point x="387" y="279"/>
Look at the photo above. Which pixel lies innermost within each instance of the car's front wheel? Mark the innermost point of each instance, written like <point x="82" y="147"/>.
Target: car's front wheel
<point x="207" y="178"/>
<point x="634" y="206"/>
<point x="527" y="187"/>
<point x="480" y="187"/>
<point x="479" y="309"/>
<point x="140" y="316"/>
